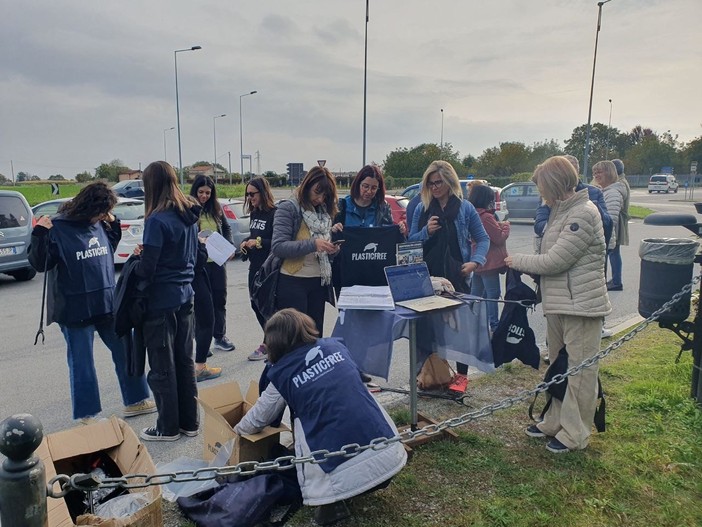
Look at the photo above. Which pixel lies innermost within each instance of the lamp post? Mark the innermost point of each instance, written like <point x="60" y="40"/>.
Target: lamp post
<point x="214" y="137"/>
<point x="592" y="87"/>
<point x="441" y="148"/>
<point x="365" y="85"/>
<point x="609" y="128"/>
<point x="241" y="134"/>
<point x="180" y="153"/>
<point x="165" y="157"/>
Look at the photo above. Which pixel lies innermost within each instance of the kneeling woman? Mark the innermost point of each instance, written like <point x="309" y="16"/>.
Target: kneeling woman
<point x="320" y="383"/>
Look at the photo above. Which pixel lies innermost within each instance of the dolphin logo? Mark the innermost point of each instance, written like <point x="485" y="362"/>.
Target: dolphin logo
<point x="93" y="241"/>
<point x="312" y="354"/>
<point x="371" y="247"/>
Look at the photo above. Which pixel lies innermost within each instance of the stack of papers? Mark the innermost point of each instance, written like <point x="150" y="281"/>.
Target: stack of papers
<point x="365" y="297"/>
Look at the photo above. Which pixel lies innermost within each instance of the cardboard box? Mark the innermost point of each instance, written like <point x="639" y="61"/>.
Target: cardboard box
<point x="66" y="452"/>
<point x="224" y="406"/>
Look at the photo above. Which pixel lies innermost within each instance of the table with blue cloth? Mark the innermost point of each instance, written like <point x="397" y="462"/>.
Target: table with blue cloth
<point x="458" y="333"/>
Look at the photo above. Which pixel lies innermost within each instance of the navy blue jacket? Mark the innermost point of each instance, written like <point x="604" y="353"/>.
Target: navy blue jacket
<point x="79" y="257"/>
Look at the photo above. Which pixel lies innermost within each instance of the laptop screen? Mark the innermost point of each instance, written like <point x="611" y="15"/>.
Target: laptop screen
<point x="408" y="282"/>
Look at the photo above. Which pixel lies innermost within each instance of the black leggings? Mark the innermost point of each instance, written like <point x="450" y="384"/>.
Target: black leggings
<point x="307" y="295"/>
<point x="218" y="287"/>
<point x="204" y="315"/>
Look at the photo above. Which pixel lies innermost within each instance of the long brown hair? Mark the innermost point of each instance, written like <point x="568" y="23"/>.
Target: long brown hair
<point x="318" y="176"/>
<point x="211" y="206"/>
<point x="161" y="190"/>
<point x="287" y="330"/>
<point x="263" y="187"/>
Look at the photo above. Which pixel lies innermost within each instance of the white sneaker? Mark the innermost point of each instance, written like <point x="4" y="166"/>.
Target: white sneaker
<point x="606" y="333"/>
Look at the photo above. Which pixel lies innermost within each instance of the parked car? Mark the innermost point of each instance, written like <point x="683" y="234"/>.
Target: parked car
<point x="238" y="219"/>
<point x="501" y="208"/>
<point x="522" y="199"/>
<point x="129" y="188"/>
<point x="130" y="212"/>
<point x="16" y="222"/>
<point x="398" y="207"/>
<point x="663" y="183"/>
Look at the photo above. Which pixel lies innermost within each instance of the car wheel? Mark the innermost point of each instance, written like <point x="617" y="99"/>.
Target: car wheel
<point x="23" y="274"/>
<point x="667" y="190"/>
<point x="650" y="192"/>
<point x="675" y="191"/>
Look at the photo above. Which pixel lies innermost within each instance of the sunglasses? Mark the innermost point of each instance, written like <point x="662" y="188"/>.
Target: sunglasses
<point x="251" y="194"/>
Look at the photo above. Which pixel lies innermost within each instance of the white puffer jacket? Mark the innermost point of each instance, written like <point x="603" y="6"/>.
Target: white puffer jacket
<point x="571" y="263"/>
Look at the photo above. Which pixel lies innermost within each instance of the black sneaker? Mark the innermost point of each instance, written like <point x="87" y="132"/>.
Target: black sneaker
<point x="331" y="513"/>
<point x="152" y="434"/>
<point x="556" y="447"/>
<point x="533" y="431"/>
<point x="366" y="378"/>
<point x="224" y="344"/>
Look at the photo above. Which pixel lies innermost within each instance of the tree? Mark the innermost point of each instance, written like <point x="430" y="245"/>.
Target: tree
<point x="84" y="177"/>
<point x="650" y="155"/>
<point x="57" y="177"/>
<point x="692" y="151"/>
<point x="503" y="161"/>
<point x="22" y="176"/>
<point x="4" y="180"/>
<point x="111" y="171"/>
<point x="411" y="163"/>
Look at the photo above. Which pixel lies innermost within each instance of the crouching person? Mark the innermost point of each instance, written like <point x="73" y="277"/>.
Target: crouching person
<point x="330" y="408"/>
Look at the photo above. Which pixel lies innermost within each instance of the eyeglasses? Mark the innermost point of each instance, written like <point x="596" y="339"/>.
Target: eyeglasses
<point x="435" y="184"/>
<point x="251" y="194"/>
<point x="367" y="188"/>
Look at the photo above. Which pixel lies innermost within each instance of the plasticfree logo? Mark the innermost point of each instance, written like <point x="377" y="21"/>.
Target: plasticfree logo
<point x="515" y="334"/>
<point x="370" y="252"/>
<point x="93" y="242"/>
<point x="94" y="249"/>
<point x="316" y="365"/>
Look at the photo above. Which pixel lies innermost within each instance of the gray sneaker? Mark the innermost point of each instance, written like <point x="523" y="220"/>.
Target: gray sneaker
<point x="224" y="344"/>
<point x="259" y="353"/>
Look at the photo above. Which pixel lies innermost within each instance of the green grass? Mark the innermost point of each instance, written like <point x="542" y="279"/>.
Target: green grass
<point x="639" y="212"/>
<point x="645" y="470"/>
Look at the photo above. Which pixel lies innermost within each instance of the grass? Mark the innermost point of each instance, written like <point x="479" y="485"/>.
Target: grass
<point x="639" y="212"/>
<point x="645" y="470"/>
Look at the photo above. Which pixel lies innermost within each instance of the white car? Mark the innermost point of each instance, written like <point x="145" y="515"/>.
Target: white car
<point x="663" y="183"/>
<point x="130" y="212"/>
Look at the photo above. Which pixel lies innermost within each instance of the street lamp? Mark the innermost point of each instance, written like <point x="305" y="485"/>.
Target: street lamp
<point x="214" y="136"/>
<point x="165" y="157"/>
<point x="241" y="134"/>
<point x="365" y="85"/>
<point x="592" y="87"/>
<point x="441" y="148"/>
<point x="609" y="128"/>
<point x="180" y="153"/>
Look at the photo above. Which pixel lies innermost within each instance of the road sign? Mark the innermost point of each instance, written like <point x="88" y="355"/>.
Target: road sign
<point x="693" y="168"/>
<point x="321" y="162"/>
<point x="55" y="189"/>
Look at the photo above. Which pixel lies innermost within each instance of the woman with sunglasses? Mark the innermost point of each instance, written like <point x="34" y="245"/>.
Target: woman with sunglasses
<point x="257" y="247"/>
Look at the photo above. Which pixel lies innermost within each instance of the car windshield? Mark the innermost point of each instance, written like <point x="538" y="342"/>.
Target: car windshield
<point x="129" y="211"/>
<point x="658" y="179"/>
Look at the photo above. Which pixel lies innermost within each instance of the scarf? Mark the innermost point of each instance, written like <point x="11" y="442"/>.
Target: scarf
<point x="319" y="223"/>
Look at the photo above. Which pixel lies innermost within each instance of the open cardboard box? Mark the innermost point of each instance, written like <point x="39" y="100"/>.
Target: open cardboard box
<point x="224" y="406"/>
<point x="66" y="452"/>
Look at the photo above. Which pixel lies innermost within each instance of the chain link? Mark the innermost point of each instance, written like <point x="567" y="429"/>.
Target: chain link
<point x="248" y="468"/>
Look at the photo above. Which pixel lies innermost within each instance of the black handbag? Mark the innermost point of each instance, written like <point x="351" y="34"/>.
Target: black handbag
<point x="265" y="286"/>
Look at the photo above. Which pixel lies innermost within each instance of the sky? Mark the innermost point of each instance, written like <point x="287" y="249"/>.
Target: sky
<point x="84" y="83"/>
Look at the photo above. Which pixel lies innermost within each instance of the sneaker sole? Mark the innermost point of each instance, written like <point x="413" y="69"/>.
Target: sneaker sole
<point x="208" y="377"/>
<point x="557" y="450"/>
<point x="256" y="358"/>
<point x="147" y="437"/>
<point x="218" y="348"/>
<point x="189" y="433"/>
<point x="534" y="434"/>
<point x="140" y="412"/>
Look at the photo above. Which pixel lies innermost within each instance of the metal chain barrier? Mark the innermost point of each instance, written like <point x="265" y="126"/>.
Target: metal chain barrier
<point x="85" y="482"/>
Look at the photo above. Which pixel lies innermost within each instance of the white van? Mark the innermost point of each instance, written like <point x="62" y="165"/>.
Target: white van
<point x="662" y="183"/>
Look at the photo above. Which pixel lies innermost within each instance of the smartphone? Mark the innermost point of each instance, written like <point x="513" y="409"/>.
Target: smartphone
<point x="338" y="242"/>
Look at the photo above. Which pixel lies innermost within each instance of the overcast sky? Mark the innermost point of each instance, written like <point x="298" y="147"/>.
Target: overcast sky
<point x="84" y="83"/>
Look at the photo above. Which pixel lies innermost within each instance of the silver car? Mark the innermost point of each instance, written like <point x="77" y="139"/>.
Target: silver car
<point x="16" y="223"/>
<point x="237" y="218"/>
<point x="522" y="199"/>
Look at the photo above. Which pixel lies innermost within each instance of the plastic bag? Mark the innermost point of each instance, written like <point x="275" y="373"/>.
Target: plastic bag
<point x="123" y="506"/>
<point x="677" y="251"/>
<point x="173" y="491"/>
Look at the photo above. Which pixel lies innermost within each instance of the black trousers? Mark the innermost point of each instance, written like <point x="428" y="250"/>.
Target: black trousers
<point x="169" y="346"/>
<point x="218" y="285"/>
<point x="307" y="295"/>
<point x="204" y="315"/>
<point x="259" y="317"/>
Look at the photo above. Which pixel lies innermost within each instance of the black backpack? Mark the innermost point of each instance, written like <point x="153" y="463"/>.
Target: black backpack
<point x="558" y="390"/>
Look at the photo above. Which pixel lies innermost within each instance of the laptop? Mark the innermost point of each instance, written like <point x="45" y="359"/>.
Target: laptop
<point x="410" y="286"/>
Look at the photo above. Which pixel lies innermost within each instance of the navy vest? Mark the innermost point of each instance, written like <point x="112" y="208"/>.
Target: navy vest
<point x="86" y="271"/>
<point x="321" y="384"/>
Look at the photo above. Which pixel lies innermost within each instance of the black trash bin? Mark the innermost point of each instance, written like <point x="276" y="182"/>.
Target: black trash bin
<point x="666" y="267"/>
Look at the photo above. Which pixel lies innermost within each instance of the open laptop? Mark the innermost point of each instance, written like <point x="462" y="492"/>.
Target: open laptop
<point x="410" y="286"/>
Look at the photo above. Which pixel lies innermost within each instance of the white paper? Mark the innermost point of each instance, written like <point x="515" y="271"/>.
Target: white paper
<point x="219" y="250"/>
<point x="365" y="297"/>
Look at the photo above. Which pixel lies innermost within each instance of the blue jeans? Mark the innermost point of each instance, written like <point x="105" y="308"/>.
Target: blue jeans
<point x="487" y="285"/>
<point x="85" y="394"/>
<point x="615" y="261"/>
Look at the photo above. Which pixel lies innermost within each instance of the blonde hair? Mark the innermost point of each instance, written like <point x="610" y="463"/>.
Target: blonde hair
<point x="608" y="170"/>
<point x="448" y="175"/>
<point x="556" y="178"/>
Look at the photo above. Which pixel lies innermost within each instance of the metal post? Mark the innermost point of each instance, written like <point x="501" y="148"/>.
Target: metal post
<point x="214" y="136"/>
<point x="365" y="85"/>
<point x="22" y="475"/>
<point x="165" y="155"/>
<point x="180" y="152"/>
<point x="609" y="129"/>
<point x="592" y="88"/>
<point x="441" y="147"/>
<point x="413" y="372"/>
<point x="241" y="134"/>
<point x="230" y="167"/>
<point x="696" y="386"/>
